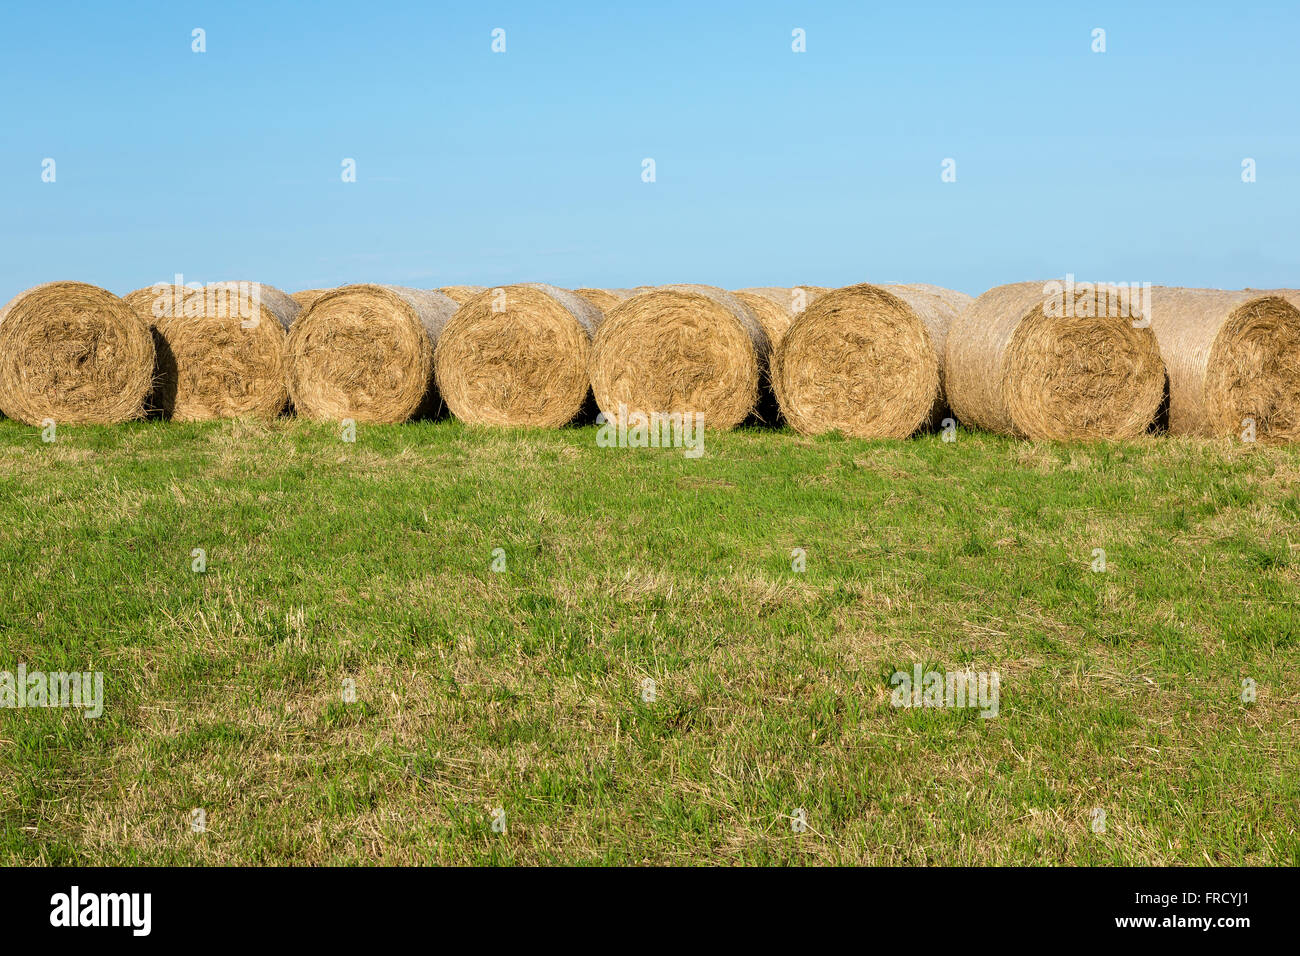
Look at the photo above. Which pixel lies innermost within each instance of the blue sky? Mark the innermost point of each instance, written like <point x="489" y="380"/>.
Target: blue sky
<point x="772" y="167"/>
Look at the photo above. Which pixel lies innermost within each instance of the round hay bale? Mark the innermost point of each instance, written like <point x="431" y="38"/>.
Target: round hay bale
<point x="460" y="294"/>
<point x="307" y="296"/>
<point x="775" y="308"/>
<point x="1231" y="356"/>
<point x="518" y="355"/>
<point x="680" y="349"/>
<point x="865" y="360"/>
<point x="220" y="348"/>
<point x="1023" y="362"/>
<point x="604" y="299"/>
<point x="365" y="352"/>
<point x="73" y="353"/>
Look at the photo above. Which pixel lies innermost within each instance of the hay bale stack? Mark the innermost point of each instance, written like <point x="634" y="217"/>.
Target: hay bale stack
<point x="1019" y="363"/>
<point x="460" y="294"/>
<point x="776" y="308"/>
<point x="866" y="361"/>
<point x="365" y="352"/>
<point x="604" y="299"/>
<point x="73" y="353"/>
<point x="517" y="355"/>
<point x="680" y="349"/>
<point x="1231" y="356"/>
<point x="220" y="348"/>
<point x="306" y="297"/>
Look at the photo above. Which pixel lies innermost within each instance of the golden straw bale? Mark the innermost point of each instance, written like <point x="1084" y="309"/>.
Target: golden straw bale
<point x="220" y="348"/>
<point x="865" y="360"/>
<point x="685" y="349"/>
<point x="517" y="355"/>
<point x="1231" y="356"/>
<point x="365" y="352"/>
<point x="1029" y="360"/>
<point x="75" y="354"/>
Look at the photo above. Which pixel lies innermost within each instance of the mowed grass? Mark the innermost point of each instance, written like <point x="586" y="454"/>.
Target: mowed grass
<point x="522" y="689"/>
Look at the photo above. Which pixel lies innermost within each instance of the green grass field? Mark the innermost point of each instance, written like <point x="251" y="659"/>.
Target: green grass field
<point x="522" y="689"/>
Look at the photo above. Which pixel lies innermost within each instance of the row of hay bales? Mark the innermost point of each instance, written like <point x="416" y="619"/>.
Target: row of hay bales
<point x="865" y="360"/>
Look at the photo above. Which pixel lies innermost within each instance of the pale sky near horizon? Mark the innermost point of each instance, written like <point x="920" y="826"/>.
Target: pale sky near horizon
<point x="772" y="167"/>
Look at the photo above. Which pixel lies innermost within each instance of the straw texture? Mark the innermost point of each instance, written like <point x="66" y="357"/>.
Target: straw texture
<point x="306" y="297"/>
<point x="1014" y="368"/>
<point x="775" y="308"/>
<point x="1231" y="356"/>
<point x="518" y="356"/>
<point x="365" y="352"/>
<point x="680" y="349"/>
<point x="866" y="361"/>
<point x="215" y="358"/>
<point x="604" y="299"/>
<point x="460" y="294"/>
<point x="73" y="353"/>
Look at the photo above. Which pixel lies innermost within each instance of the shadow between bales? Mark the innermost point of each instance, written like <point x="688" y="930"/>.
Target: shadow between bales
<point x="161" y="402"/>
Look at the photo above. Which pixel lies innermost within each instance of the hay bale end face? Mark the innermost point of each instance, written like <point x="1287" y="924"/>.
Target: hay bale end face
<point x="1233" y="361"/>
<point x="365" y="352"/>
<point x="460" y="294"/>
<point x="683" y="349"/>
<point x="74" y="354"/>
<point x="220" y="348"/>
<point x="517" y="356"/>
<point x="1031" y="361"/>
<point x="866" y="361"/>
